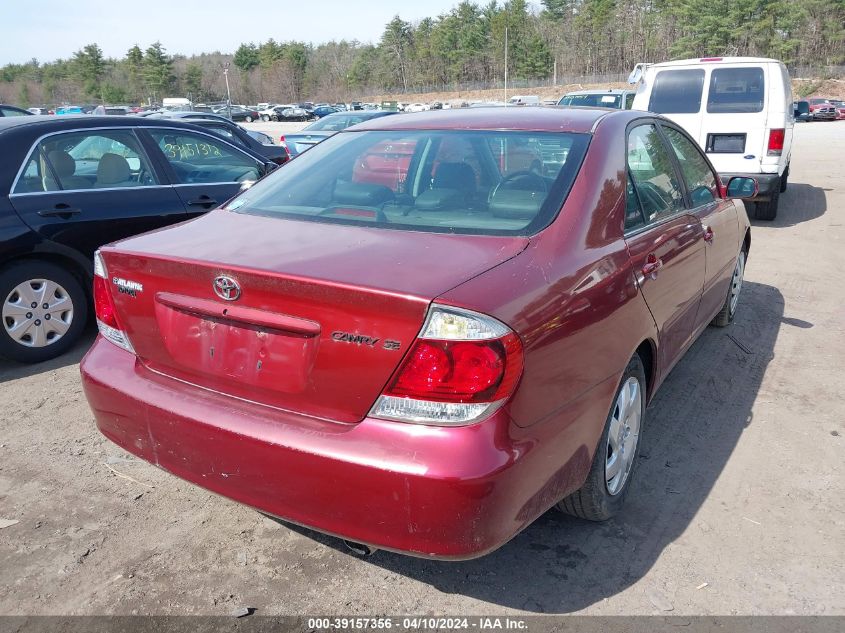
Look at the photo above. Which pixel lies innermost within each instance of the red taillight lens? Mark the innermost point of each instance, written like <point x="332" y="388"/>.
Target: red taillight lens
<point x="776" y="138"/>
<point x="103" y="304"/>
<point x="104" y="307"/>
<point x="282" y="140"/>
<point x="460" y="371"/>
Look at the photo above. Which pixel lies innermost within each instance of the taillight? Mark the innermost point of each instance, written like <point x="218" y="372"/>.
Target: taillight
<point x="104" y="308"/>
<point x="776" y="137"/>
<point x="461" y="368"/>
<point x="282" y="141"/>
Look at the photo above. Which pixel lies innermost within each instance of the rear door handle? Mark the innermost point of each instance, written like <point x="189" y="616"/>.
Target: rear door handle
<point x="61" y="210"/>
<point x="202" y="201"/>
<point x="708" y="234"/>
<point x="652" y="265"/>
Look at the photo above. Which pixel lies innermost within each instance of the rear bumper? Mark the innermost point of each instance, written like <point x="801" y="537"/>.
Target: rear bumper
<point x="427" y="491"/>
<point x="767" y="184"/>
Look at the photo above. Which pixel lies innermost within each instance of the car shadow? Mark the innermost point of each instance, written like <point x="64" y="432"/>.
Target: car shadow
<point x="799" y="203"/>
<point x="560" y="564"/>
<point x="10" y="370"/>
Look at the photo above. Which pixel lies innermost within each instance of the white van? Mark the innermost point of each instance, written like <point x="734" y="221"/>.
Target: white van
<point x="524" y="100"/>
<point x="739" y="109"/>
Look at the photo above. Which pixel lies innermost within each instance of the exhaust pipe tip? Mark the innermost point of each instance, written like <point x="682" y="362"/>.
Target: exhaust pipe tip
<point x="359" y="549"/>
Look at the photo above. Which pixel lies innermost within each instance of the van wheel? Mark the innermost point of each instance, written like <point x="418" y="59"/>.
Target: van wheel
<point x="43" y="311"/>
<point x="768" y="210"/>
<point x="603" y="493"/>
<point x="783" y="179"/>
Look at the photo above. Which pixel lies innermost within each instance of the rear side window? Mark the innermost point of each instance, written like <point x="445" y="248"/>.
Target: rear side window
<point x="472" y="182"/>
<point x="736" y="90"/>
<point x="653" y="175"/>
<point x="87" y="160"/>
<point x="677" y="91"/>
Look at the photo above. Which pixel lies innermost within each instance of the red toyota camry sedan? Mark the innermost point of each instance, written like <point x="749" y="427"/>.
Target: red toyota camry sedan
<point x="414" y="338"/>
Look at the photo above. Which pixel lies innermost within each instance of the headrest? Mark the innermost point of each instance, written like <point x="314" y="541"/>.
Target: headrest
<point x="62" y="162"/>
<point x="112" y="169"/>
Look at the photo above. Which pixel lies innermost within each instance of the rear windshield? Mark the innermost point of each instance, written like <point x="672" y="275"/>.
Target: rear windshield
<point x="677" y="91"/>
<point x="736" y="90"/>
<point x="475" y="182"/>
<point x="592" y="101"/>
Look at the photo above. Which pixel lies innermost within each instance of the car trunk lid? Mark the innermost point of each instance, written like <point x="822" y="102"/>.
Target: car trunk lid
<point x="323" y="313"/>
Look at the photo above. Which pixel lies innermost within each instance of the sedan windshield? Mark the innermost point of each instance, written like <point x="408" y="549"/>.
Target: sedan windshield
<point x="477" y="182"/>
<point x="592" y="100"/>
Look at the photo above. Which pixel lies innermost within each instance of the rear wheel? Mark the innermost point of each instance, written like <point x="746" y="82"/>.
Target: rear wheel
<point x="768" y="210"/>
<point x="726" y="314"/>
<point x="265" y="117"/>
<point x="603" y="493"/>
<point x="43" y="312"/>
<point x="248" y="119"/>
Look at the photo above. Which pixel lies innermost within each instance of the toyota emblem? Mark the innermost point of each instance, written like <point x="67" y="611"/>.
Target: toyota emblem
<point x="226" y="288"/>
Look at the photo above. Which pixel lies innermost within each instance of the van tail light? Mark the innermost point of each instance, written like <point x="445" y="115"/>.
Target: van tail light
<point x="776" y="137"/>
<point x="104" y="307"/>
<point x="462" y="367"/>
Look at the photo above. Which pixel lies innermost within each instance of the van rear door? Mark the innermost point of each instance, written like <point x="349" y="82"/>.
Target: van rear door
<point x="677" y="93"/>
<point x="734" y="126"/>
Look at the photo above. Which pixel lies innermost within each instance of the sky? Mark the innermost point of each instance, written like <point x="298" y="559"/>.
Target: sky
<point x="54" y="29"/>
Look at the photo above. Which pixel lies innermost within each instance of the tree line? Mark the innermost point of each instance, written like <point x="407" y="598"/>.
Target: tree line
<point x="463" y="46"/>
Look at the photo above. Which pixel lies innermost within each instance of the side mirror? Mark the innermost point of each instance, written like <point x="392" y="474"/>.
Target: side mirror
<point x="741" y="187"/>
<point x="635" y="75"/>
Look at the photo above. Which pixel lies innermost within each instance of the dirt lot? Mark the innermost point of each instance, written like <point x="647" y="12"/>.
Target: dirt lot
<point x="737" y="509"/>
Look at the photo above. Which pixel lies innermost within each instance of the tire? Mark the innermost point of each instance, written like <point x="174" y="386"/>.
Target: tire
<point x="274" y="118"/>
<point x="768" y="211"/>
<point x="726" y="314"/>
<point x="784" y="179"/>
<point x="248" y="119"/>
<point x="602" y="497"/>
<point x="39" y="340"/>
<point x="265" y="117"/>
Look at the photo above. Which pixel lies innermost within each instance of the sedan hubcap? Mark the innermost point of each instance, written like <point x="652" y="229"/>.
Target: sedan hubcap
<point x="623" y="435"/>
<point x="736" y="281"/>
<point x="37" y="313"/>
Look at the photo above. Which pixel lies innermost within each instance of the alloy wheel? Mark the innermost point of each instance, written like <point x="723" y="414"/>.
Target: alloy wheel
<point x="623" y="435"/>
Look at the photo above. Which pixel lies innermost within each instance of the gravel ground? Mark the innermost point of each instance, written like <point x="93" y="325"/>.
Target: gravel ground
<point x="737" y="508"/>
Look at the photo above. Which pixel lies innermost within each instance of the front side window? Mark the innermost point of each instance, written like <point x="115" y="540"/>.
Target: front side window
<point x="736" y="90"/>
<point x="200" y="159"/>
<point x="677" y="91"/>
<point x="700" y="179"/>
<point x="476" y="182"/>
<point x="102" y="159"/>
<point x="653" y="174"/>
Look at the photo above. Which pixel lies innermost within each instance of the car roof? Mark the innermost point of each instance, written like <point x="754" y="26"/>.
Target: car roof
<point x="39" y="124"/>
<point x="540" y="119"/>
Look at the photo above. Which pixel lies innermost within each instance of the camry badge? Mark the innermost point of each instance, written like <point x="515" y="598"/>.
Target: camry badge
<point x="226" y="288"/>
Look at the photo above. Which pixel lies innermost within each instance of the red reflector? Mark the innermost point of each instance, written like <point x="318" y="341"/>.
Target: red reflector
<point x="710" y="59"/>
<point x="776" y="138"/>
<point x="103" y="304"/>
<point x="460" y="371"/>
